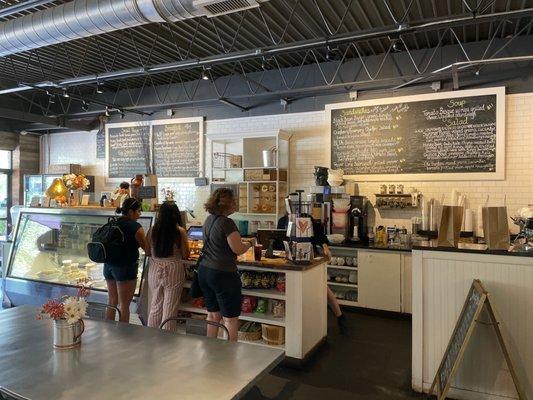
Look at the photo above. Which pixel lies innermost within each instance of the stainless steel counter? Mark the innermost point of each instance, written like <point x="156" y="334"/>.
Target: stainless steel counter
<point x="122" y="361"/>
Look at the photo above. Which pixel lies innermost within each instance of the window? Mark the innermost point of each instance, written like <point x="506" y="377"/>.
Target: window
<point x="5" y="159"/>
<point x="5" y="191"/>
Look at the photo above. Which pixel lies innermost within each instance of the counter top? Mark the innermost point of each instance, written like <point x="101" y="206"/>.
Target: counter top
<point x="432" y="246"/>
<point x="470" y="248"/>
<point x="366" y="246"/>
<point x="276" y="263"/>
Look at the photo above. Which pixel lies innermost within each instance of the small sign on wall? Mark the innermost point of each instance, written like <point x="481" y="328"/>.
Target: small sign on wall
<point x="147" y="192"/>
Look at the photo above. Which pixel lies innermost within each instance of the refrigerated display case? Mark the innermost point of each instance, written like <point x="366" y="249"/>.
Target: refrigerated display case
<point x="49" y="255"/>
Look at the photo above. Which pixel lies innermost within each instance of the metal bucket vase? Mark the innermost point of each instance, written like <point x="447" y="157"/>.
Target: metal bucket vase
<point x="67" y="336"/>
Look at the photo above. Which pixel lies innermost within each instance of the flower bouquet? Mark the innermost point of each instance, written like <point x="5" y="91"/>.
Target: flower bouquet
<point x="67" y="314"/>
<point x="76" y="183"/>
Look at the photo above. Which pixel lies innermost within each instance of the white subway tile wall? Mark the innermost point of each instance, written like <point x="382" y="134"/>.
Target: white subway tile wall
<point x="308" y="148"/>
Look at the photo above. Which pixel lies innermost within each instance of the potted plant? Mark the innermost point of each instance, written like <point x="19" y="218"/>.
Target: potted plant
<point x="67" y="314"/>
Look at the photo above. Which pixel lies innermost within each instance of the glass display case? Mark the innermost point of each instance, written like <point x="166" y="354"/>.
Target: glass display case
<point x="50" y="247"/>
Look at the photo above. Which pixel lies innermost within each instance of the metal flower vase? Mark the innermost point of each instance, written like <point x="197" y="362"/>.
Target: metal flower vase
<point x="67" y="336"/>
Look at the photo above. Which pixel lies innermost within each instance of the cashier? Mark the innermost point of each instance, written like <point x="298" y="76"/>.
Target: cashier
<point x="320" y="245"/>
<point x="121" y="194"/>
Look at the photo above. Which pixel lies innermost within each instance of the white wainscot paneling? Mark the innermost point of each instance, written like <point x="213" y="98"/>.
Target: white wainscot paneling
<point x="441" y="281"/>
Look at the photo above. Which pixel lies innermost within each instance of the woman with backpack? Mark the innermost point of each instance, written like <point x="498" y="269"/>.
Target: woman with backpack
<point x="166" y="275"/>
<point x="121" y="277"/>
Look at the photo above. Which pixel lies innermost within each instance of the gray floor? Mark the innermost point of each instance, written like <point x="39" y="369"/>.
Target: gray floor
<point x="372" y="362"/>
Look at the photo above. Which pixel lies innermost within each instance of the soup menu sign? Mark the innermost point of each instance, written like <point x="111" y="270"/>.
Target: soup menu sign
<point x="442" y="136"/>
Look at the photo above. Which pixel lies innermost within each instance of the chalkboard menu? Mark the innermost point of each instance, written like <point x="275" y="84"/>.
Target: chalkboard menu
<point x="466" y="320"/>
<point x="100" y="143"/>
<point x="451" y="134"/>
<point x="176" y="149"/>
<point x="128" y="151"/>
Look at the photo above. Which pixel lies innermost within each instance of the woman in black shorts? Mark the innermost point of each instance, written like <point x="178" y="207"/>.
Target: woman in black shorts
<point x="121" y="278"/>
<point x="217" y="273"/>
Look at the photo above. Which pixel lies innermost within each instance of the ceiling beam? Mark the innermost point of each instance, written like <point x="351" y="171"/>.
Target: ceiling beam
<point x="271" y="51"/>
<point x="40" y="119"/>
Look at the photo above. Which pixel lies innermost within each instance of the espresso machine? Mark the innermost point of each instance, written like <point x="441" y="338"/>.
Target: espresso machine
<point x="358" y="219"/>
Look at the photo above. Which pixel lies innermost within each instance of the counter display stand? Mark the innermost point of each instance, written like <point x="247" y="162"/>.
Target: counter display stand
<point x="305" y="319"/>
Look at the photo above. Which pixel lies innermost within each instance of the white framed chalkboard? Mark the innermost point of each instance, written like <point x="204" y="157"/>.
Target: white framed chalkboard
<point x="178" y="147"/>
<point x="169" y="148"/>
<point x="127" y="149"/>
<point x="456" y="135"/>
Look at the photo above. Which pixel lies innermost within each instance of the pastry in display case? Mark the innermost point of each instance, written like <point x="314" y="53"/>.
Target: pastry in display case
<point x="50" y="246"/>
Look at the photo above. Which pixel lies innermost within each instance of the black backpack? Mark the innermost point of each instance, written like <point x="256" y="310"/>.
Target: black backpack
<point x="107" y="244"/>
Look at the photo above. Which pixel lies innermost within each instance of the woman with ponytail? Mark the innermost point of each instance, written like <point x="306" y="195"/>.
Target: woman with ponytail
<point x="121" y="277"/>
<point x="166" y="276"/>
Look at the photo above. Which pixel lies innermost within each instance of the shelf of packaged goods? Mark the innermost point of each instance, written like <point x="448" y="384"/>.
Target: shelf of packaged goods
<point x="265" y="293"/>
<point x="352" y="285"/>
<point x="347" y="302"/>
<point x="254" y="317"/>
<point x="353" y="268"/>
<point x="226" y="169"/>
<point x="262" y="343"/>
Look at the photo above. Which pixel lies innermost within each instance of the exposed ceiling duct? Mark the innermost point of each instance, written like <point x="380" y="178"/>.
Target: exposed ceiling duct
<point x="83" y="18"/>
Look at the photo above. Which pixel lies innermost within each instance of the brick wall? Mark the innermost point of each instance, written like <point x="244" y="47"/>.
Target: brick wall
<point x="308" y="148"/>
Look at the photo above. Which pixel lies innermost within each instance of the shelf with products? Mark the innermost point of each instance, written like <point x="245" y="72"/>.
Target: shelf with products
<point x="348" y="302"/>
<point x="264" y="293"/>
<point x="353" y="285"/>
<point x="344" y="267"/>
<point x="254" y="317"/>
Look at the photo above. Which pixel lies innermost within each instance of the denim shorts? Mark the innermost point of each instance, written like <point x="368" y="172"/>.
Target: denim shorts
<point x="120" y="273"/>
<point x="222" y="291"/>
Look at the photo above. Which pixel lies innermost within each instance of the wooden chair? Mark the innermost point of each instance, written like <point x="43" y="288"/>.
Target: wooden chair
<point x="97" y="310"/>
<point x="6" y="394"/>
<point x="196" y="326"/>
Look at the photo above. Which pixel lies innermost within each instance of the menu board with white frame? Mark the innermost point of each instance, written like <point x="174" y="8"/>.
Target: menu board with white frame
<point x="170" y="148"/>
<point x="456" y="135"/>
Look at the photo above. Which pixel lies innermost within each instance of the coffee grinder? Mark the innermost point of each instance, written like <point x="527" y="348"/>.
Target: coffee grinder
<point x="358" y="219"/>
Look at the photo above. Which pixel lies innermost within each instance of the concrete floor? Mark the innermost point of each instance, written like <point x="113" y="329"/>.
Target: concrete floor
<point x="372" y="362"/>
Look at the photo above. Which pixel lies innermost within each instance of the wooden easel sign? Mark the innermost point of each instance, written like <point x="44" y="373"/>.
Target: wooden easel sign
<point x="475" y="301"/>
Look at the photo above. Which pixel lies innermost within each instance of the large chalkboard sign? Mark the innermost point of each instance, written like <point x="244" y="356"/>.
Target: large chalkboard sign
<point x="456" y="135"/>
<point x="128" y="150"/>
<point x="177" y="148"/>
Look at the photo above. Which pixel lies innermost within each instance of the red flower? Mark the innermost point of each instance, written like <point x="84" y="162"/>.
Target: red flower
<point x="83" y="289"/>
<point x="54" y="308"/>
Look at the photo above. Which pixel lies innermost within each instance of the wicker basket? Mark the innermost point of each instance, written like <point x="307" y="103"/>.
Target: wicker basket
<point x="273" y="335"/>
<point x="249" y="336"/>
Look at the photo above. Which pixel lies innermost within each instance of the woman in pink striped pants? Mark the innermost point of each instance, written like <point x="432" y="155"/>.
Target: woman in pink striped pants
<point x="166" y="276"/>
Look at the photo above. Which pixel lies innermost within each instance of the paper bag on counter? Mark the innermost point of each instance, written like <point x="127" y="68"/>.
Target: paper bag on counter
<point x="450" y="226"/>
<point x="496" y="228"/>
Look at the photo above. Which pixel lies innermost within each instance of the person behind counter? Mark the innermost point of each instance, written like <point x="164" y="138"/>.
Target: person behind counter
<point x="320" y="243"/>
<point x="121" y="194"/>
<point x="121" y="278"/>
<point x="217" y="272"/>
<point x="166" y="276"/>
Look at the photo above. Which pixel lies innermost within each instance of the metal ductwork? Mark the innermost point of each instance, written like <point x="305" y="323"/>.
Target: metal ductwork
<point x="83" y="18"/>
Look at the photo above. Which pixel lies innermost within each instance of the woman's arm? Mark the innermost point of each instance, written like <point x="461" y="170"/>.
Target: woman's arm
<point x="184" y="244"/>
<point x="236" y="244"/>
<point x="140" y="237"/>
